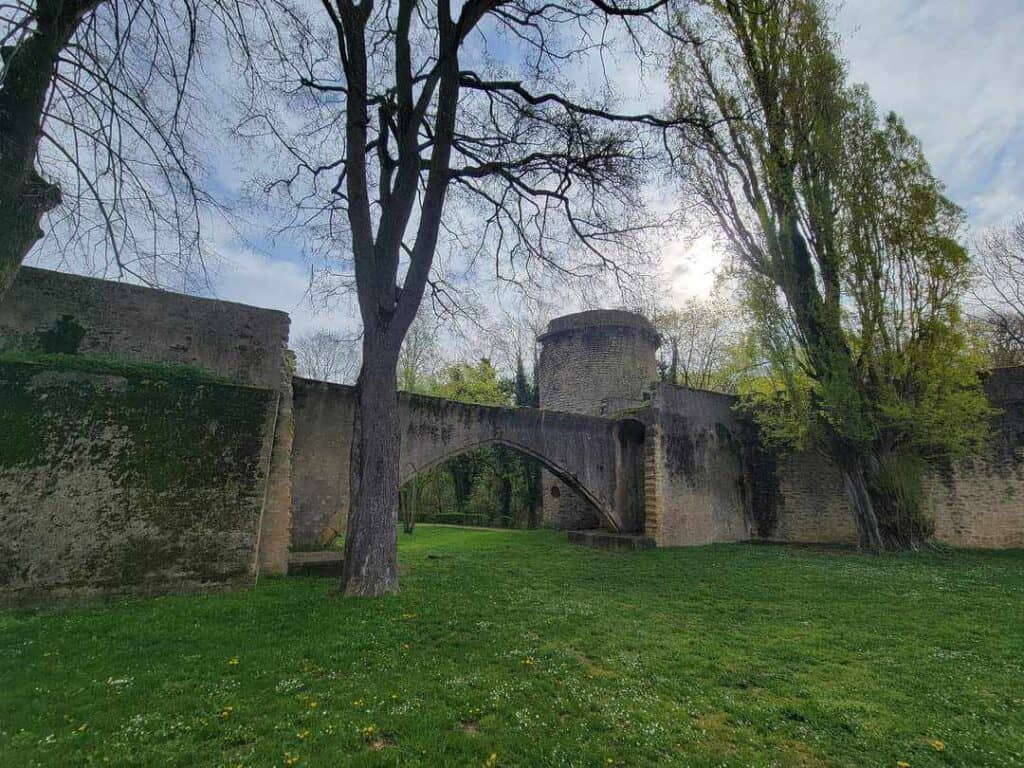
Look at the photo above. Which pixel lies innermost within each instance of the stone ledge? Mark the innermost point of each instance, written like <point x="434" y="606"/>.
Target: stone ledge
<point x="620" y="542"/>
<point x="318" y="563"/>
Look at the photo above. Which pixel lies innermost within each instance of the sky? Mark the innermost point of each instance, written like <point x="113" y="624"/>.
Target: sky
<point x="954" y="69"/>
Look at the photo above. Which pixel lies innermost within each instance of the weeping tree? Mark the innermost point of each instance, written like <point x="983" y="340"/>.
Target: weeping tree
<point x="99" y="108"/>
<point x="409" y="127"/>
<point x="846" y="250"/>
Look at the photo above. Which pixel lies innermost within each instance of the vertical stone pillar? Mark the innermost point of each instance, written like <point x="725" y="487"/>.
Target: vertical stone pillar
<point x="276" y="525"/>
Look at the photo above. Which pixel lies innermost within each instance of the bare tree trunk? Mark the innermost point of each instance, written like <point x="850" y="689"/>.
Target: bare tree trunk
<point x="412" y="497"/>
<point x="29" y="71"/>
<point x="371" y="558"/>
<point x="857" y="491"/>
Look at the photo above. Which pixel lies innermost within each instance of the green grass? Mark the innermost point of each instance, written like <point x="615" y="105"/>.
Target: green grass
<point x="519" y="645"/>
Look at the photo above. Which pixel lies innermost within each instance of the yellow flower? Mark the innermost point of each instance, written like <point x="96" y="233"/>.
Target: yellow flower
<point x="609" y="760"/>
<point x="405" y="646"/>
<point x="290" y="759"/>
<point x="902" y="764"/>
<point x="369" y="730"/>
<point x="312" y="704"/>
<point x="82" y="727"/>
<point x="492" y="760"/>
<point x="226" y="712"/>
<point x="938" y="745"/>
<point x="233" y="661"/>
<point x="357" y="703"/>
<point x="303" y="735"/>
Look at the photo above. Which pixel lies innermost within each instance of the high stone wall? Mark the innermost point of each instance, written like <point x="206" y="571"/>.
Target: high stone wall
<point x="54" y="312"/>
<point x="977" y="502"/>
<point x="121" y="478"/>
<point x="698" y="492"/>
<point x="322" y="442"/>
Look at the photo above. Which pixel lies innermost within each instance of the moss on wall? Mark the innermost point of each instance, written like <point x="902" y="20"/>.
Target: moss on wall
<point x="65" y="337"/>
<point x="118" y="475"/>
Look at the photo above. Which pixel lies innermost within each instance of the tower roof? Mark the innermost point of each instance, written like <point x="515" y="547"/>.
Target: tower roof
<point x="600" y="318"/>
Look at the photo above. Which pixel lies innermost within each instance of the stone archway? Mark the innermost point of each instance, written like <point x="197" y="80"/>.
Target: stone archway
<point x="584" y="452"/>
<point x="409" y="471"/>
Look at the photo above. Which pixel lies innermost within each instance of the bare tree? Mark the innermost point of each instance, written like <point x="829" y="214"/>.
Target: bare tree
<point x="326" y="356"/>
<point x="405" y="128"/>
<point x="999" y="289"/>
<point x="696" y="341"/>
<point x="419" y="355"/>
<point x="98" y="123"/>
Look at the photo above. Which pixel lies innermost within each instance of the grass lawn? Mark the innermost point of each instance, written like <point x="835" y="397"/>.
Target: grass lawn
<point x="517" y="648"/>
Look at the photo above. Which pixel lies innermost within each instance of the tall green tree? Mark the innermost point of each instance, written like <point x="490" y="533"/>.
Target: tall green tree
<point x="846" y="249"/>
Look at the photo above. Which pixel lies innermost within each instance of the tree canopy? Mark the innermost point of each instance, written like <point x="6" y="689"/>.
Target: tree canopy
<point x="845" y="246"/>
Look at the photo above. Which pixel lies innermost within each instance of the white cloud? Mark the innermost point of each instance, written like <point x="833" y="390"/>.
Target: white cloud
<point x="252" y="278"/>
<point x="954" y="70"/>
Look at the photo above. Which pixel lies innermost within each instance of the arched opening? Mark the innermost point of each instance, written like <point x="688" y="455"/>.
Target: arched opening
<point x="494" y="483"/>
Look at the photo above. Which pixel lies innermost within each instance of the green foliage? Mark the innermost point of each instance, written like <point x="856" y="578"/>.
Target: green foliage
<point x="896" y="483"/>
<point x="845" y="245"/>
<point x="524" y="393"/>
<point x="64" y="338"/>
<point x="521" y="645"/>
<point x="492" y="485"/>
<point x="468" y="383"/>
<point x="116" y="367"/>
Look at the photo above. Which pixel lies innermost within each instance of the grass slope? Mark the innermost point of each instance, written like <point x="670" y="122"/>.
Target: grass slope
<point x="516" y="648"/>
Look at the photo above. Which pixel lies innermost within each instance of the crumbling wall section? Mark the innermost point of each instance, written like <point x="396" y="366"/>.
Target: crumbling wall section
<point x="704" y="494"/>
<point x="49" y="312"/>
<point x="127" y="478"/>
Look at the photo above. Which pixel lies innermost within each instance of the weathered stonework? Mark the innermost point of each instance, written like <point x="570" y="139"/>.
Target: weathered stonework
<point x="584" y="452"/>
<point x="54" y="312"/>
<point x="324" y="415"/>
<point x="122" y="471"/>
<point x="700" y="476"/>
<point x="978" y="502"/>
<point x="599" y="363"/>
<point x="128" y="479"/>
<point x="276" y="525"/>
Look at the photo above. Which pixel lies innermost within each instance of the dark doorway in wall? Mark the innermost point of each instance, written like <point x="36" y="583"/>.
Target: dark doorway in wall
<point x="629" y="474"/>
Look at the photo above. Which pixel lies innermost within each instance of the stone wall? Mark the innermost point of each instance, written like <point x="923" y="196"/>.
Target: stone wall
<point x="977" y="502"/>
<point x="697" y="489"/>
<point x="598" y="363"/>
<point x="811" y="501"/>
<point x="128" y="478"/>
<point x="320" y="460"/>
<point x="980" y="502"/>
<point x="54" y="312"/>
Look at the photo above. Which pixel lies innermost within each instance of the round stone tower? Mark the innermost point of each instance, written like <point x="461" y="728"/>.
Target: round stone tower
<point x="597" y="363"/>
